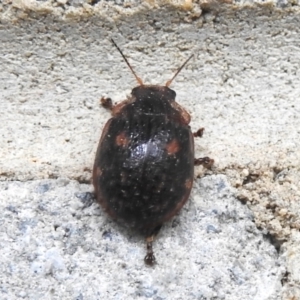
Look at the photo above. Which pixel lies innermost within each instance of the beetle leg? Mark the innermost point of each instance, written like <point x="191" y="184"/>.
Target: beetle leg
<point x="149" y="258"/>
<point x="204" y="161"/>
<point x="199" y="132"/>
<point x="107" y="103"/>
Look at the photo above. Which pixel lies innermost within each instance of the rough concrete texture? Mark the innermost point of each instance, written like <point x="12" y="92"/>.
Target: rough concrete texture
<point x="56" y="245"/>
<point x="243" y="86"/>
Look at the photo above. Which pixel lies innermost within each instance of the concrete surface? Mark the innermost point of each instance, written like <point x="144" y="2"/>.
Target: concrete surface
<point x="56" y="245"/>
<point x="243" y="86"/>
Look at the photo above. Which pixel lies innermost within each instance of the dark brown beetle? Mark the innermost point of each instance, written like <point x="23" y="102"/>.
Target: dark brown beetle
<point x="144" y="166"/>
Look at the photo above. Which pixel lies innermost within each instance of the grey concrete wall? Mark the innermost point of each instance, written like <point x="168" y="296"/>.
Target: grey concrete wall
<point x="238" y="238"/>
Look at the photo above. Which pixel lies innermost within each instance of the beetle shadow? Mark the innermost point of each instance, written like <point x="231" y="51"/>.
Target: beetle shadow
<point x="113" y="229"/>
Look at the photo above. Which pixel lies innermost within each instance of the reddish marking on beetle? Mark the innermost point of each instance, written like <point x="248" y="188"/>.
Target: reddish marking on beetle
<point x="172" y="147"/>
<point x="98" y="172"/>
<point x="188" y="184"/>
<point x="185" y="116"/>
<point x="122" y="140"/>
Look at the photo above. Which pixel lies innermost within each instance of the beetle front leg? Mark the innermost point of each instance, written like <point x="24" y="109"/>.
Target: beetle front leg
<point x="107" y="103"/>
<point x="204" y="161"/>
<point x="199" y="132"/>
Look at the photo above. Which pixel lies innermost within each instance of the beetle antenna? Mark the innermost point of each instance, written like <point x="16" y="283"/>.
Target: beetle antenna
<point x="139" y="80"/>
<point x="168" y="83"/>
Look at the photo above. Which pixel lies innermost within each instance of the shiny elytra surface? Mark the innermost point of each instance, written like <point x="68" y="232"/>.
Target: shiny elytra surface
<point x="143" y="172"/>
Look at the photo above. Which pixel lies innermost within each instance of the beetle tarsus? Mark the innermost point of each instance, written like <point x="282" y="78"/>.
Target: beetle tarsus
<point x="204" y="161"/>
<point x="107" y="103"/>
<point x="149" y="258"/>
<point x="199" y="132"/>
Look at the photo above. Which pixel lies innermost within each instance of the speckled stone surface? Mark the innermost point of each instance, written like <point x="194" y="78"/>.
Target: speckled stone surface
<point x="243" y="86"/>
<point x="57" y="244"/>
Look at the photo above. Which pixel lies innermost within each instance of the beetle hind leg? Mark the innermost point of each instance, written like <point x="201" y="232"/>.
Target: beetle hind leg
<point x="204" y="161"/>
<point x="150" y="257"/>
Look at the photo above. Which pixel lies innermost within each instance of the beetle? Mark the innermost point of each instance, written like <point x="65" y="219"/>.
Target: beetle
<point x="144" y="166"/>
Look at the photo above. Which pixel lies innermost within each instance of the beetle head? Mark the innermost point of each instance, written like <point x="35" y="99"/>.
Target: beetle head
<point x="153" y="93"/>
